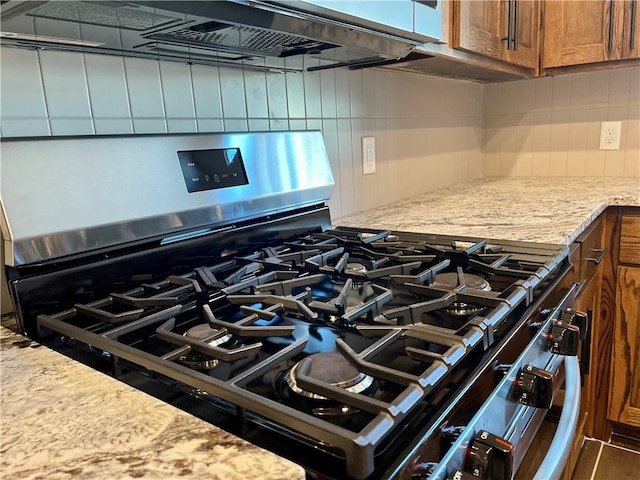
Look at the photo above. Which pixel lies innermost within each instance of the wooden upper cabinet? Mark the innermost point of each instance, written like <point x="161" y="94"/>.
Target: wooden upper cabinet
<point x="502" y="29"/>
<point x="589" y="31"/>
<point x="631" y="30"/>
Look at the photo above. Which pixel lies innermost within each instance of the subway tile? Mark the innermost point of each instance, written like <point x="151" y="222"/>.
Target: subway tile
<point x="594" y="162"/>
<point x="210" y="125"/>
<point x="314" y="124"/>
<point x="145" y="93"/>
<point x="206" y="91"/>
<point x="149" y="125"/>
<point x="255" y="85"/>
<point x="277" y="95"/>
<point x="599" y="88"/>
<point x="617" y="113"/>
<point x="369" y="93"/>
<point x="619" y="87"/>
<point x="25" y="127"/>
<point x="295" y="95"/>
<point x="107" y="86"/>
<point x="330" y="135"/>
<point x="181" y="125"/>
<point x="526" y="96"/>
<point x="232" y="93"/>
<point x="561" y="92"/>
<point x="524" y="145"/>
<point x="177" y="91"/>
<point x="634" y="86"/>
<point x="614" y="163"/>
<point x="297" y="124"/>
<point x="71" y="126"/>
<point x="543" y="93"/>
<point x="558" y="143"/>
<point x="278" y="124"/>
<point x="492" y="98"/>
<point x="580" y="89"/>
<point x="21" y="85"/>
<point x="381" y="93"/>
<point x="541" y="143"/>
<point x="577" y="142"/>
<point x="343" y="109"/>
<point x="312" y="101"/>
<point x="235" y="125"/>
<point x="356" y="93"/>
<point x="258" y="124"/>
<point x="509" y="98"/>
<point x="508" y="143"/>
<point x="65" y="84"/>
<point x="113" y="126"/>
<point x="345" y="152"/>
<point x="363" y="198"/>
<point x="328" y="93"/>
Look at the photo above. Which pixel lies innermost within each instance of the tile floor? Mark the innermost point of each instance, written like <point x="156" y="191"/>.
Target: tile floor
<point x="604" y="461"/>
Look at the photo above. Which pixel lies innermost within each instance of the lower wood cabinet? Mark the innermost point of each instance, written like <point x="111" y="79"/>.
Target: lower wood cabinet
<point x="624" y="398"/>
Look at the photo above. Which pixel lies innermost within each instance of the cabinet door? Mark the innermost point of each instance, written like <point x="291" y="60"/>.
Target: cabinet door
<point x="631" y="30"/>
<point x="577" y="32"/>
<point x="480" y="27"/>
<point x="624" y="400"/>
<point x="523" y="50"/>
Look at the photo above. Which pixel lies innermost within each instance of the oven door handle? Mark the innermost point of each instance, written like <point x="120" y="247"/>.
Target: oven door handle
<point x="558" y="453"/>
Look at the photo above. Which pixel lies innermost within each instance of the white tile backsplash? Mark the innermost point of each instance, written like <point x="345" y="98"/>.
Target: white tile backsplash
<point x="65" y="84"/>
<point x="563" y="136"/>
<point x="145" y="91"/>
<point x="429" y="131"/>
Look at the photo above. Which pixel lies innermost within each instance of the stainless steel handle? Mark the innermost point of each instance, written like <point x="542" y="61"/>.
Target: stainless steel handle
<point x="509" y="24"/>
<point x="516" y="21"/>
<point x="632" y="30"/>
<point x="558" y="453"/>
<point x="599" y="258"/>
<point x="611" y="15"/>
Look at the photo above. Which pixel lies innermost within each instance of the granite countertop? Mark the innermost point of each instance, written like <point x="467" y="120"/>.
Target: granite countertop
<point x="544" y="210"/>
<point x="60" y="420"/>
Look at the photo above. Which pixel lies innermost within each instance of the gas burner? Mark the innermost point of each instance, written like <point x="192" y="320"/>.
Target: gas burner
<point x="451" y="280"/>
<point x="355" y="269"/>
<point x="199" y="361"/>
<point x="332" y="368"/>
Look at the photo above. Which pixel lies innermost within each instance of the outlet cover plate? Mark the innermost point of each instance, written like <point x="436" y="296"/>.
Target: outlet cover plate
<point x="610" y="135"/>
<point x="368" y="155"/>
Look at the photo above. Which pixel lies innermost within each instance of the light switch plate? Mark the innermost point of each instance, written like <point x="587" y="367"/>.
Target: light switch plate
<point x="368" y="155"/>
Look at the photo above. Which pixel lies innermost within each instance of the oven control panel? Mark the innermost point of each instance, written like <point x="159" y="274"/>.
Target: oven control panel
<point x="212" y="169"/>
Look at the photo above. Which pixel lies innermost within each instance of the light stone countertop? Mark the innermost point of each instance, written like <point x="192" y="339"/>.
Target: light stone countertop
<point x="63" y="420"/>
<point x="536" y="209"/>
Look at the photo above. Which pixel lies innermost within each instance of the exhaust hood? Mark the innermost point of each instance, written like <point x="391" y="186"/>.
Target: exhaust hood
<point x="231" y="33"/>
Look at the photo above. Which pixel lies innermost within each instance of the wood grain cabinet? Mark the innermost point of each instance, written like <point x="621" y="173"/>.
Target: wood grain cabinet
<point x="589" y="31"/>
<point x="506" y="30"/>
<point x="624" y="398"/>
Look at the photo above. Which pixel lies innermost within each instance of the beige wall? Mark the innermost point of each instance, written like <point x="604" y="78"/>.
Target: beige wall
<point x="551" y="126"/>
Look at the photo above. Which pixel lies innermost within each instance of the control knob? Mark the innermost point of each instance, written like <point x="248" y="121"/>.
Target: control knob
<point x="564" y="338"/>
<point x="489" y="457"/>
<point x="534" y="387"/>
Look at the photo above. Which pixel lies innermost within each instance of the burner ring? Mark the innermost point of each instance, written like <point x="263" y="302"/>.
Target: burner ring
<point x="332" y="368"/>
<point x="450" y="280"/>
<point x="203" y="330"/>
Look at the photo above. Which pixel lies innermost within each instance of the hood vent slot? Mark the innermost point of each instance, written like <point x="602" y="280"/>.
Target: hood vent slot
<point x="99" y="14"/>
<point x="250" y="40"/>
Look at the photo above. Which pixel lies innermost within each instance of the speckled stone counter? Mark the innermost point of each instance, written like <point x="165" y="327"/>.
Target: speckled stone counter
<point x="546" y="210"/>
<point x="62" y="420"/>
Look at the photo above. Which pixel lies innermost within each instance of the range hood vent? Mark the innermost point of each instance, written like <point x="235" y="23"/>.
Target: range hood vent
<point x="256" y="34"/>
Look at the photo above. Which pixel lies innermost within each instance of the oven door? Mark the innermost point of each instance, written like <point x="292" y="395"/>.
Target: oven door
<point x="493" y="444"/>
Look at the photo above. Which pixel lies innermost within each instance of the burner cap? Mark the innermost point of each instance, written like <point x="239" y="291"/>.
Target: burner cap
<point x="355" y="268"/>
<point x="450" y="280"/>
<point x="202" y="331"/>
<point x="332" y="368"/>
<point x="200" y="361"/>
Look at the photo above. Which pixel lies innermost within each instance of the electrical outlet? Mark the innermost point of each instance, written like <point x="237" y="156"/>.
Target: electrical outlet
<point x="368" y="155"/>
<point x="610" y="135"/>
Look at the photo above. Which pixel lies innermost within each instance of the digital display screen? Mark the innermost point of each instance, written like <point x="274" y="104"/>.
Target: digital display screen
<point x="211" y="169"/>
